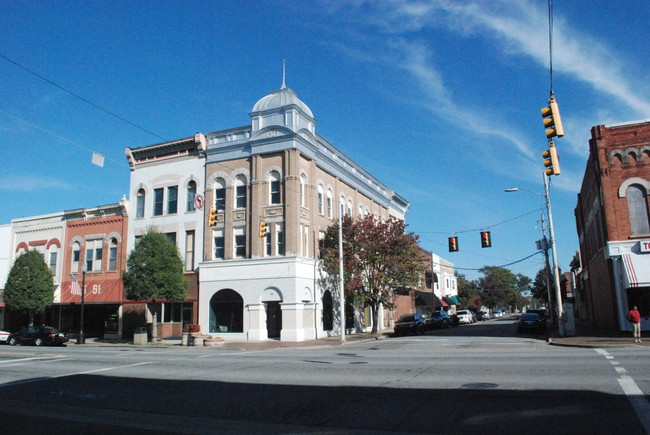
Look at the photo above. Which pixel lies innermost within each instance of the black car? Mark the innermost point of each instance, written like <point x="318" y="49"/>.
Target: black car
<point x="409" y="324"/>
<point x="438" y="320"/>
<point x="38" y="336"/>
<point x="531" y="322"/>
<point x="542" y="313"/>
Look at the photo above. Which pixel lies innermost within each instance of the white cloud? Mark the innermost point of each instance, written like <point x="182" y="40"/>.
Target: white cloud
<point x="31" y="183"/>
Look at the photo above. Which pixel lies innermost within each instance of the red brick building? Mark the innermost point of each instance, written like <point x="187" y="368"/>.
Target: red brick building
<point x="613" y="226"/>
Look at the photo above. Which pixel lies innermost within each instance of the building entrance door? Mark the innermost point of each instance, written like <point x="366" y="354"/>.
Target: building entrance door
<point x="273" y="319"/>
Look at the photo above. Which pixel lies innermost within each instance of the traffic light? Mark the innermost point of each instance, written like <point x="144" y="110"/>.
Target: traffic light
<point x="453" y="244"/>
<point x="551" y="162"/>
<point x="552" y="121"/>
<point x="486" y="239"/>
<point x="212" y="220"/>
<point x="263" y="229"/>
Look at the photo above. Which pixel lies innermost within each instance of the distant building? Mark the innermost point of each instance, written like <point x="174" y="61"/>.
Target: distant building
<point x="613" y="226"/>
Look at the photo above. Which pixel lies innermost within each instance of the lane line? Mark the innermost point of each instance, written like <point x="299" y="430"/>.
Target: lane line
<point x="29" y="381"/>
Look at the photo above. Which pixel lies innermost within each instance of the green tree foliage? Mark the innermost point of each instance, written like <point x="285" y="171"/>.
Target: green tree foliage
<point x="154" y="271"/>
<point x="467" y="290"/>
<point x="379" y="258"/>
<point x="29" y="285"/>
<point x="500" y="287"/>
<point x="540" y="287"/>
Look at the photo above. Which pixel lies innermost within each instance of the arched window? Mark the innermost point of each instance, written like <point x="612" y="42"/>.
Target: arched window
<point x="329" y="203"/>
<point x="139" y="211"/>
<point x="637" y="207"/>
<point x="321" y="199"/>
<point x="226" y="312"/>
<point x="240" y="191"/>
<point x="303" y="187"/>
<point x="112" y="256"/>
<point x="191" y="195"/>
<point x="220" y="194"/>
<point x="349" y="208"/>
<point x="76" y="253"/>
<point x="275" y="196"/>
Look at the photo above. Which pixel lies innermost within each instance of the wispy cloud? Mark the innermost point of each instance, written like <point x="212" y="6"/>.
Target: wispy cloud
<point x="24" y="183"/>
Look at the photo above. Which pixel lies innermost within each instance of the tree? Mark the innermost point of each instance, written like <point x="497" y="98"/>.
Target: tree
<point x="499" y="286"/>
<point x="467" y="290"/>
<point x="379" y="258"/>
<point x="540" y="289"/>
<point x="29" y="285"/>
<point x="154" y="271"/>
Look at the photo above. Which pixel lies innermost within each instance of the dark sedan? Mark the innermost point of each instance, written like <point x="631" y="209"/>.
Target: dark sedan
<point x="38" y="336"/>
<point x="438" y="320"/>
<point x="409" y="324"/>
<point x="531" y="322"/>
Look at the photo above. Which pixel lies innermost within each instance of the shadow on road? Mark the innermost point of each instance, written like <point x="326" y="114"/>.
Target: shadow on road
<point x="133" y="405"/>
<point x="506" y="327"/>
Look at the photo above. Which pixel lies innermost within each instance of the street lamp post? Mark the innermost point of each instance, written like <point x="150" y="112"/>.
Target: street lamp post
<point x="81" y="339"/>
<point x="556" y="268"/>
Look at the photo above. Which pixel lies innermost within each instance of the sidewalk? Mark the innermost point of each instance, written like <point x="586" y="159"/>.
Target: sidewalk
<point x="243" y="345"/>
<point x="586" y="336"/>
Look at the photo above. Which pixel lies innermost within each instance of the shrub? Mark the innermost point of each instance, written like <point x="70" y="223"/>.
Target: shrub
<point x="191" y="327"/>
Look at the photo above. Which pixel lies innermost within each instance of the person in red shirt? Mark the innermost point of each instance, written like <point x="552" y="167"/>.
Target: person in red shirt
<point x="635" y="319"/>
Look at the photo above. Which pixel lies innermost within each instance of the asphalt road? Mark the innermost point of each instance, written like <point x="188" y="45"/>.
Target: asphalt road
<point x="482" y="378"/>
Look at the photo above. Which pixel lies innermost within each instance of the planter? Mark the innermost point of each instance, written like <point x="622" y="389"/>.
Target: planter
<point x="185" y="339"/>
<point x="197" y="340"/>
<point x="213" y="342"/>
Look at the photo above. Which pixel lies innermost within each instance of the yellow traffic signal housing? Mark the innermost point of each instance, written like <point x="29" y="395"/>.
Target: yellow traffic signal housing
<point x="552" y="121"/>
<point x="552" y="162"/>
<point x="453" y="244"/>
<point x="263" y="229"/>
<point x="486" y="239"/>
<point x="212" y="220"/>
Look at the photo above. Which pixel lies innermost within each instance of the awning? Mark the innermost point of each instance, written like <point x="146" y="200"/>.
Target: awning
<point x="451" y="300"/>
<point x="427" y="298"/>
<point x="637" y="270"/>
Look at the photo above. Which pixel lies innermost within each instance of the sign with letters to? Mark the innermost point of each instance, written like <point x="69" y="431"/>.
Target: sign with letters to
<point x="644" y="246"/>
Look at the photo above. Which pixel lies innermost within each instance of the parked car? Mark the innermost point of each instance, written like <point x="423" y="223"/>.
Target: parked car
<point x="38" y="335"/>
<point x="474" y="319"/>
<point x="438" y="320"/>
<point x="3" y="336"/>
<point x="542" y="313"/>
<point x="482" y="315"/>
<point x="531" y="322"/>
<point x="497" y="313"/>
<point x="409" y="324"/>
<point x="465" y="316"/>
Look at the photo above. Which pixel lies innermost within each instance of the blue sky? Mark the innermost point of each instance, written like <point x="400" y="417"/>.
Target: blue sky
<point x="438" y="99"/>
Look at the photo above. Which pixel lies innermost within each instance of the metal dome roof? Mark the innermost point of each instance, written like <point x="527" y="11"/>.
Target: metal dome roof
<point x="281" y="98"/>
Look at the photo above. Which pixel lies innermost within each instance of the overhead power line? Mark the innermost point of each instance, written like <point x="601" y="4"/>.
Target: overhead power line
<point x="85" y="100"/>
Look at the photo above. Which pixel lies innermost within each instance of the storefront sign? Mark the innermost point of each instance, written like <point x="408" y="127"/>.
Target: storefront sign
<point x="644" y="245"/>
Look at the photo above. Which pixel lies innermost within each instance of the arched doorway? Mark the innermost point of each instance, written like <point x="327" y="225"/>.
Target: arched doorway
<point x="226" y="312"/>
<point x="328" y="311"/>
<point x="271" y="299"/>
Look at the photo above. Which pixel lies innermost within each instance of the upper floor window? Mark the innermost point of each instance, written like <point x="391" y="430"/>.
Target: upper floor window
<point x="139" y="208"/>
<point x="158" y="201"/>
<point x="53" y="256"/>
<point x="189" y="250"/>
<point x="76" y="254"/>
<point x="240" y="192"/>
<point x="321" y="200"/>
<point x="191" y="195"/>
<point x="112" y="256"/>
<point x="329" y="203"/>
<point x="240" y="243"/>
<point x="637" y="206"/>
<point x="303" y="186"/>
<point x="274" y="186"/>
<point x="220" y="194"/>
<point x="280" y="239"/>
<point x="172" y="199"/>
<point x="94" y="255"/>
<point x="219" y="245"/>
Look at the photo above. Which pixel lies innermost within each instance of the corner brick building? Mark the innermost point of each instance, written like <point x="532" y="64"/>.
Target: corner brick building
<point x="613" y="226"/>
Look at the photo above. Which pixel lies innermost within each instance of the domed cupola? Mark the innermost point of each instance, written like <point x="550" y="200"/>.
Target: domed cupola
<point x="282" y="108"/>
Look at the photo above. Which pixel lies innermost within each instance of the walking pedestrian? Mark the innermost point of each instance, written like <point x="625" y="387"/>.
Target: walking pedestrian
<point x="635" y="319"/>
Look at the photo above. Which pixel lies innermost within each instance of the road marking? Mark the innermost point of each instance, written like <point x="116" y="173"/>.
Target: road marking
<point x="632" y="391"/>
<point x="29" y="381"/>
<point x="24" y="359"/>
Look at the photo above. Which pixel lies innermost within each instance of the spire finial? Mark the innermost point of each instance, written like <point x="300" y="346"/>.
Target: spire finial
<point x="284" y="73"/>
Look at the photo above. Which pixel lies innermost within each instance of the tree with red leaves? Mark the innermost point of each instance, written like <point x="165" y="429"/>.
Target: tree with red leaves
<point x="379" y="258"/>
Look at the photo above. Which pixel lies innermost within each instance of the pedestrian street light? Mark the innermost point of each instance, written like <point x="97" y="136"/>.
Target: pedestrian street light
<point x="556" y="269"/>
<point x="81" y="339"/>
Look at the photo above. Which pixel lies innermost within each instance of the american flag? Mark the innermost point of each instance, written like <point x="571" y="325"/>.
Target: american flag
<point x="75" y="288"/>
